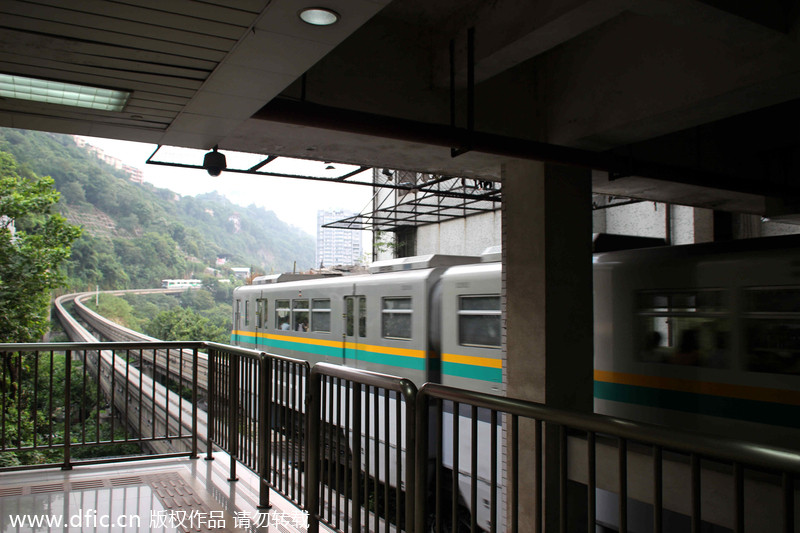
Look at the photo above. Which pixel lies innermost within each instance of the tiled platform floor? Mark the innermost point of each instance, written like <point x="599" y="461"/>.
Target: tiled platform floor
<point x="141" y="496"/>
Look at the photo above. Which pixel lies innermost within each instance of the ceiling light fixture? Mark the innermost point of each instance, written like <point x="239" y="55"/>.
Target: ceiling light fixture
<point x="318" y="16"/>
<point x="62" y="93"/>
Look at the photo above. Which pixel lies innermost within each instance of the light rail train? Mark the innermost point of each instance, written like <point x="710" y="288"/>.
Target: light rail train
<point x="703" y="337"/>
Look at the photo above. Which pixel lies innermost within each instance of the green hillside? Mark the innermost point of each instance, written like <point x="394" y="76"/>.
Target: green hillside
<point x="135" y="235"/>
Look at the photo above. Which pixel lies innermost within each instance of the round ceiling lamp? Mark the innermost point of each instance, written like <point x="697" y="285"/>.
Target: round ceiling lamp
<point x="318" y="16"/>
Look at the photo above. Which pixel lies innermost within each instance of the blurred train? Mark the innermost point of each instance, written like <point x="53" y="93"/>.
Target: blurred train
<point x="703" y="337"/>
<point x="700" y="337"/>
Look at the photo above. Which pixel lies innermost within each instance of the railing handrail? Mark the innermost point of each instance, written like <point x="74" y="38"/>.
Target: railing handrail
<point x="733" y="450"/>
<point x="367" y="377"/>
<point x="63" y="346"/>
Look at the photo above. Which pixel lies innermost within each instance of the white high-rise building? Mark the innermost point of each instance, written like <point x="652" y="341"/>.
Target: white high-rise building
<point x="337" y="246"/>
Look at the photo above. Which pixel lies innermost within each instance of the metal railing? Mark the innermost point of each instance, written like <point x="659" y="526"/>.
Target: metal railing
<point x="580" y="443"/>
<point x="256" y="414"/>
<point x="363" y="450"/>
<point x="61" y="396"/>
<point x="360" y="414"/>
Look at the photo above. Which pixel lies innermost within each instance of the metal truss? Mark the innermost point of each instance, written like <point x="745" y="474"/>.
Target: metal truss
<point x="420" y="199"/>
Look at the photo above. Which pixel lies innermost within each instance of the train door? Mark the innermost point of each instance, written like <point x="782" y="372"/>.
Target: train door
<point x="237" y="326"/>
<point x="355" y="328"/>
<point x="260" y="319"/>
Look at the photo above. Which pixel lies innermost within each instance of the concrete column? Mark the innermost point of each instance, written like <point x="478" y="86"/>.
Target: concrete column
<point x="547" y="278"/>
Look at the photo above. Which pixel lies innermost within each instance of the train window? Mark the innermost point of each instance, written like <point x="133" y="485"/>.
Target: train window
<point x="686" y="327"/>
<point x="321" y="315"/>
<point x="282" y="315"/>
<point x="247" y="312"/>
<point x="479" y="320"/>
<point x="772" y="329"/>
<point x="349" y="314"/>
<point x="362" y="316"/>
<point x="396" y="318"/>
<point x="300" y="315"/>
<point x="261" y="313"/>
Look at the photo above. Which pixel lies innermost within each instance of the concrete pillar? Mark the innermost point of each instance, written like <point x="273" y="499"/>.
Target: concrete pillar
<point x="547" y="277"/>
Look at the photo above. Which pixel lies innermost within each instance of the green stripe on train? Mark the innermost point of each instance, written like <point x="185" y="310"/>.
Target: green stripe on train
<point x="776" y="414"/>
<point x="482" y="373"/>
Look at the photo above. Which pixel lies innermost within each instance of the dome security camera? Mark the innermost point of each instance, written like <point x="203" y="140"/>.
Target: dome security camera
<point x="214" y="162"/>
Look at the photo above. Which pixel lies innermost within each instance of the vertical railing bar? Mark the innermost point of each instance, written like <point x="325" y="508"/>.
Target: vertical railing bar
<point x="473" y="489"/>
<point x="387" y="459"/>
<point x="658" y="489"/>
<point x="84" y="414"/>
<point x="195" y="380"/>
<point x="284" y="442"/>
<point x="20" y="355"/>
<point x="296" y="429"/>
<point x="314" y="445"/>
<point x="695" y="492"/>
<point x="139" y="405"/>
<point x="337" y="452"/>
<point x="439" y="474"/>
<point x="738" y="480"/>
<point x="538" y="474"/>
<point x="153" y="420"/>
<point x="127" y="391"/>
<point x="623" y="485"/>
<point x="248" y="412"/>
<point x="67" y="410"/>
<point x="113" y="407"/>
<point x="351" y="458"/>
<point x="264" y="429"/>
<point x="35" y="393"/>
<point x="493" y="480"/>
<point x="180" y="392"/>
<point x="276" y="406"/>
<point x="97" y="390"/>
<point x="289" y="422"/>
<point x="304" y="384"/>
<point x="5" y="383"/>
<point x="513" y="477"/>
<point x="398" y="460"/>
<point x="167" y="379"/>
<point x="292" y="405"/>
<point x="562" y="477"/>
<point x="50" y="403"/>
<point x="787" y="486"/>
<point x="367" y="432"/>
<point x="356" y="462"/>
<point x="324" y="410"/>
<point x="233" y="422"/>
<point x="591" y="485"/>
<point x="211" y="433"/>
<point x="454" y="451"/>
<point x="377" y="458"/>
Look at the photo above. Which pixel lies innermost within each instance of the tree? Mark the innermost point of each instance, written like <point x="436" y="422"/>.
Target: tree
<point x="179" y="324"/>
<point x="34" y="241"/>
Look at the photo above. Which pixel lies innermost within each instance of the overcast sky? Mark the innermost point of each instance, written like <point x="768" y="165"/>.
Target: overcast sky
<point x="294" y="201"/>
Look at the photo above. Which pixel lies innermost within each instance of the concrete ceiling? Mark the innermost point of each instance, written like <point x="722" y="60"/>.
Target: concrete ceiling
<point x="694" y="102"/>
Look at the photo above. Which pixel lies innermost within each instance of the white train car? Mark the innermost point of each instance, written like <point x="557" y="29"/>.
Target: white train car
<point x="702" y="337"/>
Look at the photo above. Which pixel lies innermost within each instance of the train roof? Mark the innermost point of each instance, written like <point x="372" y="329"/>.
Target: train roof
<point x="783" y="243"/>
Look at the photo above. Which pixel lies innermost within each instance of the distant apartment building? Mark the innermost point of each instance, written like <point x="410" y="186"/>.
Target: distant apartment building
<point x="336" y="246"/>
<point x="134" y="174"/>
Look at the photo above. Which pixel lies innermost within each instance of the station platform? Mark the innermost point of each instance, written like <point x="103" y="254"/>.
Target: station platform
<point x="157" y="495"/>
